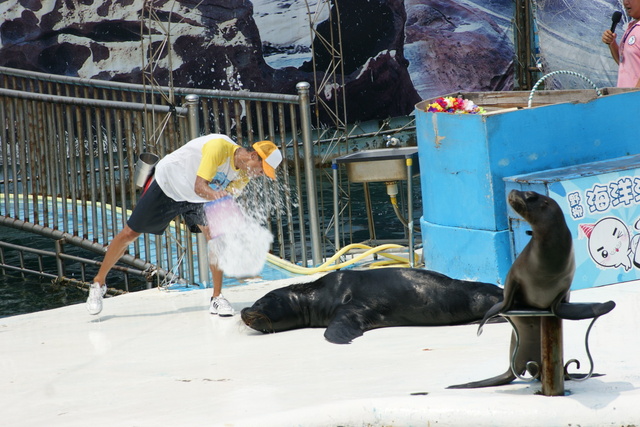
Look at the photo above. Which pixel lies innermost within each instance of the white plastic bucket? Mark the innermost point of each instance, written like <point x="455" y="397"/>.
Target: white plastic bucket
<point x="223" y="216"/>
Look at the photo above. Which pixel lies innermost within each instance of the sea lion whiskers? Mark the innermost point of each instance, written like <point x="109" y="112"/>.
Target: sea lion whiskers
<point x="519" y="204"/>
<point x="257" y="321"/>
<point x="273" y="313"/>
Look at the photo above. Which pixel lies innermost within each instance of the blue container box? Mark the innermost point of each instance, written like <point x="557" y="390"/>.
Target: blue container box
<point x="601" y="203"/>
<point x="464" y="159"/>
<point x="466" y="253"/>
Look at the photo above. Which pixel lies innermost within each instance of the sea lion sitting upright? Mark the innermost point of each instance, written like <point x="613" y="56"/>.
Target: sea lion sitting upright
<point x="541" y="275"/>
<point x="351" y="302"/>
<point x="539" y="278"/>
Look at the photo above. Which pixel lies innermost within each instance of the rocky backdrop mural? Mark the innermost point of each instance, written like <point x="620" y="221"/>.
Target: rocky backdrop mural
<point x="393" y="52"/>
<point x="570" y="32"/>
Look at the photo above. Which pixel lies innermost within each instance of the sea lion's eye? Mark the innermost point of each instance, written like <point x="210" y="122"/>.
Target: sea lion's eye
<point x="347" y="298"/>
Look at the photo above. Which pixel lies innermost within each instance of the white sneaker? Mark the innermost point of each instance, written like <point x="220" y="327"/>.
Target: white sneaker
<point x="220" y="306"/>
<point x="94" y="302"/>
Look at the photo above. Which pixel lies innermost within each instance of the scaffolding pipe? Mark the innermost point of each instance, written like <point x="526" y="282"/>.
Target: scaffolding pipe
<point x="191" y="103"/>
<point x="310" y="170"/>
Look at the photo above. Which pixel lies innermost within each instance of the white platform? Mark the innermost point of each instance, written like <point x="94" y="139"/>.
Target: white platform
<point x="157" y="358"/>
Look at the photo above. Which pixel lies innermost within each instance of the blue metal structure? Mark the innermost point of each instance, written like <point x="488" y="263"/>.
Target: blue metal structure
<point x="464" y="159"/>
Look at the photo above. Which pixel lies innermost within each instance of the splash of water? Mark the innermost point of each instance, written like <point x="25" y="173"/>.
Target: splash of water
<point x="241" y="252"/>
<point x="239" y="243"/>
<point x="240" y="228"/>
<point x="264" y="199"/>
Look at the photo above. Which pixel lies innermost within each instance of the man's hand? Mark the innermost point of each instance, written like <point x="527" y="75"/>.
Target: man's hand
<point x="202" y="189"/>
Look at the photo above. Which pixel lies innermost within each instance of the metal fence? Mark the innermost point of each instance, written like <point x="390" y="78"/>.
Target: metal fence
<point x="68" y="147"/>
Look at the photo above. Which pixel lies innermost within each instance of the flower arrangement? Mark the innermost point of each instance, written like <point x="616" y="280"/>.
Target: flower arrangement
<point x="449" y="104"/>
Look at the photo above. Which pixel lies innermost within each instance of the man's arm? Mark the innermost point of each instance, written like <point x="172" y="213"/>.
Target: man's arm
<point x="203" y="190"/>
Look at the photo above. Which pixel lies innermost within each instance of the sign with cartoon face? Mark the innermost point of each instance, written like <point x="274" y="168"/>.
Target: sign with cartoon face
<point x="609" y="243"/>
<point x="603" y="214"/>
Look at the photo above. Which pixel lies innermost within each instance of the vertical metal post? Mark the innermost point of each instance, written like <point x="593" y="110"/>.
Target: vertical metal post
<point x="526" y="70"/>
<point x="369" y="207"/>
<point x="2" y="262"/>
<point x="192" y="102"/>
<point x="59" y="245"/>
<point x="410" y="211"/>
<point x="552" y="375"/>
<point x="309" y="168"/>
<point x="336" y="207"/>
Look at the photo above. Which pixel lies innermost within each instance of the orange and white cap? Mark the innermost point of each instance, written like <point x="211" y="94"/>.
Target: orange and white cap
<point x="271" y="157"/>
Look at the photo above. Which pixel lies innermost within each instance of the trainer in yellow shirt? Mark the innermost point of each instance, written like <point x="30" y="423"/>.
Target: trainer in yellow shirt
<point x="204" y="169"/>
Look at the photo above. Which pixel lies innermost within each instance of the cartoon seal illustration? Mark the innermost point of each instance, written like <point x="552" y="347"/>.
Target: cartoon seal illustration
<point x="351" y="302"/>
<point x="540" y="278"/>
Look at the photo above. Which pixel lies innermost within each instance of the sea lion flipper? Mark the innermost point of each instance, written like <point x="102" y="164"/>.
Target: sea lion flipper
<point x="343" y="328"/>
<point x="579" y="311"/>
<point x="492" y="312"/>
<point x="502" y="379"/>
<point x="510" y="289"/>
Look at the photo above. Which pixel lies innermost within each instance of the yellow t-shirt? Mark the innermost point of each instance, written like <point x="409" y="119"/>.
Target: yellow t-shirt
<point x="210" y="157"/>
<point x="218" y="168"/>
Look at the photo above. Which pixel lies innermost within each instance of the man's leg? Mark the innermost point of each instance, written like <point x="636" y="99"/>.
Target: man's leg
<point x="116" y="249"/>
<point x="219" y="304"/>
<point x="217" y="279"/>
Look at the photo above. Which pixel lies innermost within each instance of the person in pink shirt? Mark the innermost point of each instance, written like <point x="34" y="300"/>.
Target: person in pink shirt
<point x="627" y="53"/>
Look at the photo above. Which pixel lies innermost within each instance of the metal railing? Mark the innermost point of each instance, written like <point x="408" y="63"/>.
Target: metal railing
<point x="68" y="147"/>
<point x="35" y="261"/>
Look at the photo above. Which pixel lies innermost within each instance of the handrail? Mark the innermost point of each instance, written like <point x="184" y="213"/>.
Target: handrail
<point x="141" y="267"/>
<point x="573" y="73"/>
<point x="133" y="87"/>
<point x="85" y="102"/>
<point x="60" y="277"/>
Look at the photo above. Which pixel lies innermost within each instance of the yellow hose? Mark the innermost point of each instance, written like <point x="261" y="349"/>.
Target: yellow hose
<point x="328" y="265"/>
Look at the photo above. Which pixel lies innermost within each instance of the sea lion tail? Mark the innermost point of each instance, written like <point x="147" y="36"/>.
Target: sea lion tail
<point x="502" y="379"/>
<point x="492" y="312"/>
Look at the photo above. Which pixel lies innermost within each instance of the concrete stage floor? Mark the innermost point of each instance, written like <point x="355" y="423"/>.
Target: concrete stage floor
<point x="158" y="358"/>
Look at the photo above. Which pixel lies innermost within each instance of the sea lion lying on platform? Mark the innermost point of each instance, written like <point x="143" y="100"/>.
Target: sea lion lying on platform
<point x="539" y="278"/>
<point x="351" y="302"/>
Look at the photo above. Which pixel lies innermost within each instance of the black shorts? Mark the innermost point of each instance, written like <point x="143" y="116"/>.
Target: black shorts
<point x="155" y="210"/>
